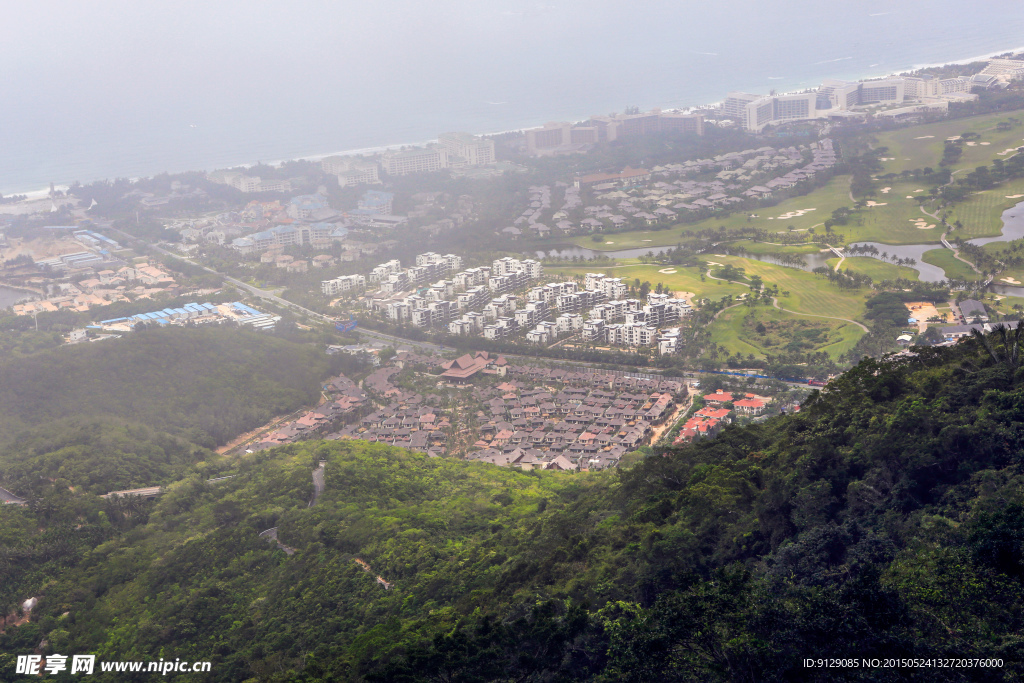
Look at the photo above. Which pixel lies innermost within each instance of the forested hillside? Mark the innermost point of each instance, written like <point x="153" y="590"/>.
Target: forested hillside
<point x="205" y="384"/>
<point x="886" y="519"/>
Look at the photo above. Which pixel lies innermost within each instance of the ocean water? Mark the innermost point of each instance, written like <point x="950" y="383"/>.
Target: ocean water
<point x="9" y="297"/>
<point x="131" y="89"/>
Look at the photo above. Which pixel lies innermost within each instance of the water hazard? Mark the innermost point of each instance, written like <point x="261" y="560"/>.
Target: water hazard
<point x="1013" y="229"/>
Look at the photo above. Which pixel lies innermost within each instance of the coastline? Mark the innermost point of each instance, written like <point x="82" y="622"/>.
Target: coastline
<point x="378" y="149"/>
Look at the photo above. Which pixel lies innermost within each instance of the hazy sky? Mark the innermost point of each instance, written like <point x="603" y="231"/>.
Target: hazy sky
<point x="95" y="87"/>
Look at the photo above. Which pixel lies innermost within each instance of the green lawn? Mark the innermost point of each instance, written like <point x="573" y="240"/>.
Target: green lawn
<point x="1003" y="304"/>
<point x="808" y="293"/>
<point x="824" y="201"/>
<point x="921" y="146"/>
<point x="875" y="269"/>
<point x="766" y="248"/>
<point x="737" y="330"/>
<point x="1004" y="252"/>
<point x="953" y="267"/>
<point x="894" y="219"/>
<point x="981" y="214"/>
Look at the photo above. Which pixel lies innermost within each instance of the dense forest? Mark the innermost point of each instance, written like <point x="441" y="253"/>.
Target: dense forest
<point x="203" y="384"/>
<point x="885" y="519"/>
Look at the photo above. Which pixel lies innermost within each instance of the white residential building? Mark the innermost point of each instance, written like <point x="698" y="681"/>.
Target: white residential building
<point x="345" y="283"/>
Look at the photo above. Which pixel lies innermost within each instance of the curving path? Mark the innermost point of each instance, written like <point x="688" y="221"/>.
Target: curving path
<point x="318" y="483"/>
<point x="271" y="535"/>
<point x="775" y="302"/>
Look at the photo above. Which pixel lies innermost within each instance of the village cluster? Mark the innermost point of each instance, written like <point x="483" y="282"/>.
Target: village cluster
<point x="79" y="270"/>
<point x="631" y="199"/>
<point x="718" y="411"/>
<point x="507" y="414"/>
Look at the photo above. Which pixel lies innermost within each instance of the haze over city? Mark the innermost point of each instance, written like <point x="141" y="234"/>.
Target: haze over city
<point x="123" y="89"/>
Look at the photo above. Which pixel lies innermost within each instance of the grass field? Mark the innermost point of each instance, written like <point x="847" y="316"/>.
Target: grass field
<point x="1003" y="304"/>
<point x="875" y="269"/>
<point x="824" y="201"/>
<point x="921" y="146"/>
<point x="896" y="221"/>
<point x="783" y="332"/>
<point x="953" y="267"/>
<point x="981" y="214"/>
<point x="808" y="293"/>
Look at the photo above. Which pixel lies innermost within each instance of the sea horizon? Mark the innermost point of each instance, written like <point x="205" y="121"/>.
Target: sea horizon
<point x="304" y="151"/>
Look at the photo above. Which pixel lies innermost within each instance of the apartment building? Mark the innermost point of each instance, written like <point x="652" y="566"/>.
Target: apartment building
<point x="472" y="149"/>
<point x="345" y="283"/>
<point x="422" y="160"/>
<point x="544" y="333"/>
<point x="434" y="313"/>
<point x="550" y="292"/>
<point x="500" y="307"/>
<point x="531" y="313"/>
<point x="377" y="202"/>
<point x="569" y="322"/>
<point x="351" y="170"/>
<point x="593" y="329"/>
<point x="629" y="334"/>
<point x="579" y="302"/>
<point x="449" y="261"/>
<point x="502" y="328"/>
<point x="382" y="271"/>
<point x="474" y="297"/>
<point x="612" y="287"/>
<point x="471" y="277"/>
<point x="562" y="136"/>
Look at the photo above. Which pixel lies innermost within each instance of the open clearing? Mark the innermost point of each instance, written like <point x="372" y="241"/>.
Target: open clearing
<point x="952" y="266"/>
<point x="762" y="330"/>
<point x="808" y="293"/>
<point x="875" y="269"/>
<point x="921" y="146"/>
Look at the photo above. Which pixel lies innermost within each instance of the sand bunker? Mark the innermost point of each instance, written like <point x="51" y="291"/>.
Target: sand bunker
<point x="953" y="139"/>
<point x="1008" y="150"/>
<point x="910" y="196"/>
<point x="984" y="143"/>
<point x="668" y="271"/>
<point x="918" y="190"/>
<point x="872" y="203"/>
<point x="885" y="190"/>
<point x="1009" y="280"/>
<point x="971" y="144"/>
<point x="924" y="137"/>
<point x="921" y="224"/>
<point x="887" y="158"/>
<point x="1014" y="196"/>
<point x="645" y="240"/>
<point x="794" y="214"/>
<point x="715" y="263"/>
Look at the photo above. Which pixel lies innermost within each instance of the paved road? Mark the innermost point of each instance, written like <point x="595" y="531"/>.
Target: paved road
<point x="271" y="535"/>
<point x="8" y="497"/>
<point x="318" y="483"/>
